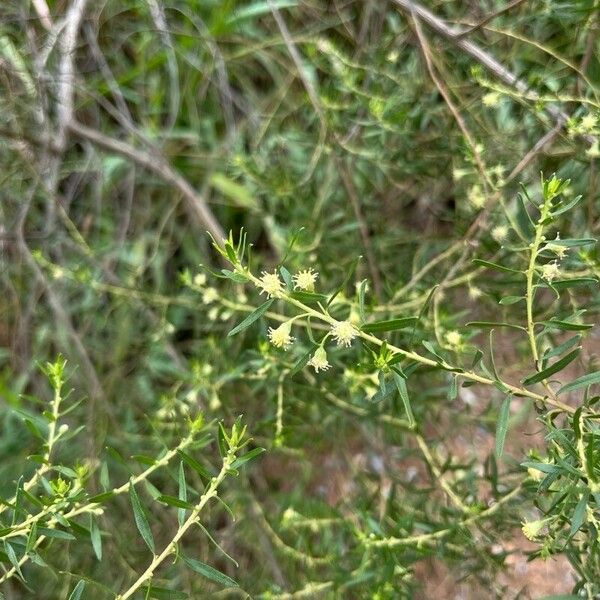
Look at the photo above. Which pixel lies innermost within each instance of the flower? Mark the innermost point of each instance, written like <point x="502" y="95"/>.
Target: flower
<point x="476" y="197"/>
<point x="474" y="292"/>
<point x="491" y="99"/>
<point x="305" y="280"/>
<point x="210" y="295"/>
<point x="200" y="279"/>
<point x="531" y="529"/>
<point x="270" y="284"/>
<point x="319" y="360"/>
<point x="550" y="271"/>
<point x="280" y="337"/>
<point x="499" y="233"/>
<point x="453" y="338"/>
<point x="343" y="332"/>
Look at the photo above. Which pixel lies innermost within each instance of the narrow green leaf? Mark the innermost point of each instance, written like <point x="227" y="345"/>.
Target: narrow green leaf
<point x="579" y="513"/>
<point x="95" y="538"/>
<point x="361" y="300"/>
<point x="194" y="464"/>
<point x="389" y="325"/>
<point x="486" y="324"/>
<point x="209" y="572"/>
<point x="287" y="278"/>
<point x="242" y="460"/>
<point x="182" y="493"/>
<point x="581" y="382"/>
<point x="12" y="557"/>
<point x="502" y="425"/>
<point x="403" y="391"/>
<point x="141" y="520"/>
<point x="160" y="593"/>
<point x="77" y="591"/>
<point x="559" y="365"/>
<point x="173" y="501"/>
<point x="566" y="325"/>
<point x="511" y="300"/>
<point x="308" y="297"/>
<point x="254" y="316"/>
<point x="572" y="341"/>
<point x="222" y="440"/>
<point x="491" y="265"/>
<point x="55" y="533"/>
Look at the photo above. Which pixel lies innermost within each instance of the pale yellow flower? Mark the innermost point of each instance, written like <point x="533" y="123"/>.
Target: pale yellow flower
<point x="499" y="233"/>
<point x="319" y="360"/>
<point x="550" y="271"/>
<point x="343" y="332"/>
<point x="270" y="284"/>
<point x="200" y="279"/>
<point x="531" y="529"/>
<point x="453" y="338"/>
<point x="305" y="280"/>
<point x="210" y="295"/>
<point x="280" y="337"/>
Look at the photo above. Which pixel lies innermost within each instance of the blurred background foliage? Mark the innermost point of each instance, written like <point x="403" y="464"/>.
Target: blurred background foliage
<point x="344" y="118"/>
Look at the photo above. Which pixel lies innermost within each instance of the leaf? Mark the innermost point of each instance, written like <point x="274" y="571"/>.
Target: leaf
<point x="497" y="267"/>
<point x="431" y="349"/>
<point x="12" y="557"/>
<point x="486" y="324"/>
<point x="194" y="464"/>
<point x="254" y="316"/>
<point x="579" y="513"/>
<point x="580" y="382"/>
<point x="562" y="347"/>
<point x="55" y="533"/>
<point x="361" y="300"/>
<point x="502" y="425"/>
<point x="524" y="225"/>
<point x="403" y="391"/>
<point x="308" y="297"/>
<point x="511" y="300"/>
<point x="160" y="593"/>
<point x="559" y="365"/>
<point x="95" y="538"/>
<point x="182" y="493"/>
<point x="222" y="440"/>
<point x="561" y="284"/>
<point x="77" y="591"/>
<point x="287" y="278"/>
<point x="242" y="460"/>
<point x="389" y="325"/>
<point x="301" y="362"/>
<point x="141" y="521"/>
<point x="566" y="325"/>
<point x="173" y="501"/>
<point x="566" y="207"/>
<point x="209" y="572"/>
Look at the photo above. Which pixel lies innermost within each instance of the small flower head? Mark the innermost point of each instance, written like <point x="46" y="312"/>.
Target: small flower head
<point x="200" y="279"/>
<point x="499" y="233"/>
<point x="210" y="295"/>
<point x="319" y="360"/>
<point x="531" y="529"/>
<point x="474" y="292"/>
<point x="550" y="271"/>
<point x="476" y="197"/>
<point x="270" y="284"/>
<point x="280" y="337"/>
<point x="491" y="99"/>
<point x="305" y="280"/>
<point x="343" y="332"/>
<point x="453" y="338"/>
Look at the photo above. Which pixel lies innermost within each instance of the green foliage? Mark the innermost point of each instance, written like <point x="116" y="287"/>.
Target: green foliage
<point x="406" y="320"/>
